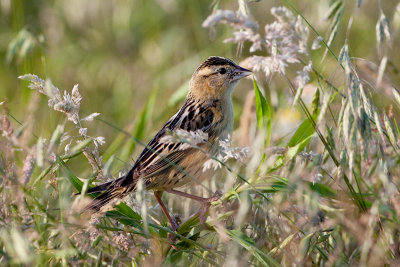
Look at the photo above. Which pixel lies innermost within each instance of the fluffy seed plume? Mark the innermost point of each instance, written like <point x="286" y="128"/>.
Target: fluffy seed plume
<point x="186" y="138"/>
<point x="284" y="40"/>
<point x="225" y="152"/>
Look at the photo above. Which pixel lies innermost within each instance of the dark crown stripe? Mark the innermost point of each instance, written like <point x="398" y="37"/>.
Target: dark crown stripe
<point x="213" y="61"/>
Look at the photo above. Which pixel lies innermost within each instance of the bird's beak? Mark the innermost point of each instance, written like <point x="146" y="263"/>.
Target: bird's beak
<point x="240" y="73"/>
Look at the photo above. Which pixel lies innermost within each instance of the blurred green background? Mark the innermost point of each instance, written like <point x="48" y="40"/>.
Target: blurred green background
<point x="132" y="60"/>
<point x="119" y="52"/>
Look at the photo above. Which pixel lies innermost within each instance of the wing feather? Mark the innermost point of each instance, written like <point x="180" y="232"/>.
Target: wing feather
<point x="157" y="156"/>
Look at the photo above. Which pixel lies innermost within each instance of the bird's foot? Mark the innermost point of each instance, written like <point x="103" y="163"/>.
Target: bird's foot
<point x="206" y="204"/>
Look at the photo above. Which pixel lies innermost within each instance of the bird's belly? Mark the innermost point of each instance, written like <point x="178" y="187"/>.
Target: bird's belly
<point x="190" y="170"/>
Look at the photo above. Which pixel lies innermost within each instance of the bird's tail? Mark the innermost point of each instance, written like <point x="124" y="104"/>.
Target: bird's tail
<point x="110" y="191"/>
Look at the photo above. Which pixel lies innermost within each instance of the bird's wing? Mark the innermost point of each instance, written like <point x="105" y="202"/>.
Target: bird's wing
<point x="160" y="154"/>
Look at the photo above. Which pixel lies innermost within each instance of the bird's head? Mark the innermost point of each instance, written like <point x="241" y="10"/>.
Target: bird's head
<point x="216" y="77"/>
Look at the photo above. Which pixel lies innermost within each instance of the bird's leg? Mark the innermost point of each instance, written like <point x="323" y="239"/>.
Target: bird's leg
<point x="216" y="196"/>
<point x="205" y="201"/>
<point x="158" y="195"/>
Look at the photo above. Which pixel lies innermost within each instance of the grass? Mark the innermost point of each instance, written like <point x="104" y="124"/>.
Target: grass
<point x="321" y="118"/>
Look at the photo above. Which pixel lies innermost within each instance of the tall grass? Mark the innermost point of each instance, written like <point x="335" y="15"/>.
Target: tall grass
<point x="319" y="187"/>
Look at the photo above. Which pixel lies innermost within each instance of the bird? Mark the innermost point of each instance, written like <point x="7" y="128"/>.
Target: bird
<point x="165" y="164"/>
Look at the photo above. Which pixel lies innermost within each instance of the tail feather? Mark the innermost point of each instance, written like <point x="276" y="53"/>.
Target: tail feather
<point x="109" y="191"/>
<point x="102" y="187"/>
<point x="102" y="200"/>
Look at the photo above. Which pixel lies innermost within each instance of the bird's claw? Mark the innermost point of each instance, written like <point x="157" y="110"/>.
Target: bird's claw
<point x="206" y="204"/>
<point x="217" y="195"/>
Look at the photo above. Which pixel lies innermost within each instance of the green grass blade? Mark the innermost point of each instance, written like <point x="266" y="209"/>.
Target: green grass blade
<point x="140" y="127"/>
<point x="75" y="181"/>
<point x="246" y="242"/>
<point x="263" y="112"/>
<point x="303" y="132"/>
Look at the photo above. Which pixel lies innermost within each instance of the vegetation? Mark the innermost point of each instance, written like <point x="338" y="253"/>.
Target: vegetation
<point x="320" y="118"/>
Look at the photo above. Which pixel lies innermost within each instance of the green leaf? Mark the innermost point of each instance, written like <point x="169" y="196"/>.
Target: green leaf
<point x="263" y="112"/>
<point x="75" y="181"/>
<point x="188" y="224"/>
<point x="276" y="186"/>
<point x="246" y="242"/>
<point x="125" y="215"/>
<point x="127" y="211"/>
<point x="297" y="143"/>
<point x="322" y="190"/>
<point x="305" y="131"/>
<point x="175" y="258"/>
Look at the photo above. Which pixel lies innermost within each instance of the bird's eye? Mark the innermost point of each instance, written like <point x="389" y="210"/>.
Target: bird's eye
<point x="222" y="70"/>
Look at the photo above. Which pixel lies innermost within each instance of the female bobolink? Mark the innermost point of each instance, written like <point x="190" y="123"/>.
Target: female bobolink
<point x="163" y="166"/>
